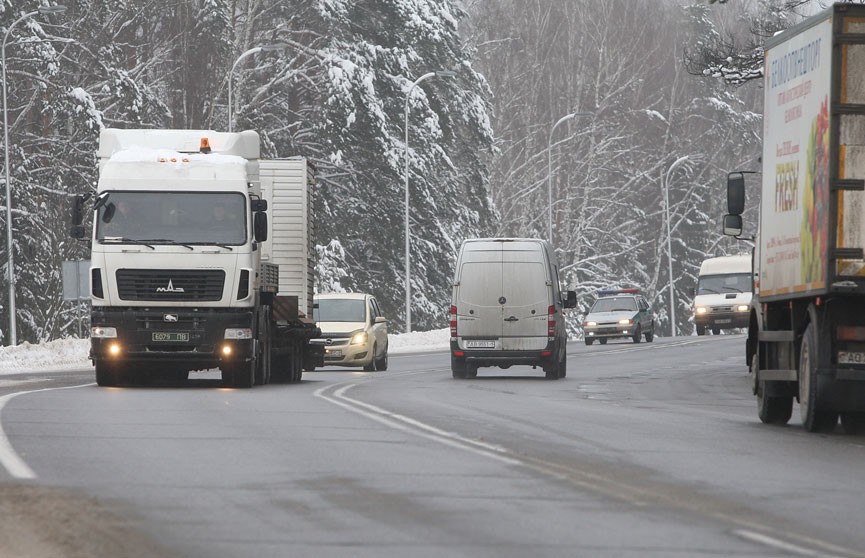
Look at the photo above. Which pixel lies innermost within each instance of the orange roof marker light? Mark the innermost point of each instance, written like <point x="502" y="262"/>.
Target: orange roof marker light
<point x="205" y="145"/>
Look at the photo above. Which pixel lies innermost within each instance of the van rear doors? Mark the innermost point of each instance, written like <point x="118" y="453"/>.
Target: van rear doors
<point x="503" y="294"/>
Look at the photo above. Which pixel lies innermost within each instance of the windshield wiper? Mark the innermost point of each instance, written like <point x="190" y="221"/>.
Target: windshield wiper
<point x="708" y="289"/>
<point x="170" y="242"/>
<point x="122" y="239"/>
<point x="734" y="289"/>
<point x="223" y="246"/>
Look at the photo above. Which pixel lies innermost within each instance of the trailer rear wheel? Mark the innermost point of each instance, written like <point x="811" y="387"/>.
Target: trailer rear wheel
<point x="814" y="417"/>
<point x="853" y="423"/>
<point x="770" y="409"/>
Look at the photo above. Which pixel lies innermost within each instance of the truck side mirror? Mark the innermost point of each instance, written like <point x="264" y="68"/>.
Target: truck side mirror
<point x="76" y="229"/>
<point x="735" y="193"/>
<point x="259" y="226"/>
<point x="570" y="299"/>
<point x="732" y="225"/>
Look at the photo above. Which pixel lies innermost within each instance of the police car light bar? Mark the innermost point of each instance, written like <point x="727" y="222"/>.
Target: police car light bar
<point x="618" y="291"/>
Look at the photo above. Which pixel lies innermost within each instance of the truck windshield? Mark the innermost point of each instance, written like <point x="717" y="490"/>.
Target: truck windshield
<point x="173" y="218"/>
<point x="728" y="283"/>
<point x="340" y="310"/>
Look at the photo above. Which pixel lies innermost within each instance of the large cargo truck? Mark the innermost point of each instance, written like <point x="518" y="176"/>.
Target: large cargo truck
<point x="806" y="332"/>
<point x="187" y="271"/>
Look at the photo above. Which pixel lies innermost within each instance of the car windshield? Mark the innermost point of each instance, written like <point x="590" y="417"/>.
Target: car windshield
<point x="622" y="304"/>
<point x="172" y="218"/>
<point x="339" y="310"/>
<point x="729" y="283"/>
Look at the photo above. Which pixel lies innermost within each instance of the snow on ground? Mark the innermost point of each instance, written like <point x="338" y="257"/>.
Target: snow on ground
<point x="66" y="354"/>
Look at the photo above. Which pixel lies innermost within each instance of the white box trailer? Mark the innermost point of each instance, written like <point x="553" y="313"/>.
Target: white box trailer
<point x="806" y="333"/>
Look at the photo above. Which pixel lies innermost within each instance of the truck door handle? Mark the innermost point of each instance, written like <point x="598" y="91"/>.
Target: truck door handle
<point x="512" y="319"/>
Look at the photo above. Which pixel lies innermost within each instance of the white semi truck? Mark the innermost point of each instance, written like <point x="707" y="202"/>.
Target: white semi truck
<point x="806" y="332"/>
<point x="187" y="271"/>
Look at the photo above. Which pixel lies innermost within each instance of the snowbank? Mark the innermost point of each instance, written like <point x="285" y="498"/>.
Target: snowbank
<point x="68" y="354"/>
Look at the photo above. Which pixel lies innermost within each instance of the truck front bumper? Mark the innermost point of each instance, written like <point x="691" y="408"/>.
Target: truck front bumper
<point x="192" y="338"/>
<point x="721" y="320"/>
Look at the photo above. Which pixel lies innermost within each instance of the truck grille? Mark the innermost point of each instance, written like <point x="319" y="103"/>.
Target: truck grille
<point x="170" y="284"/>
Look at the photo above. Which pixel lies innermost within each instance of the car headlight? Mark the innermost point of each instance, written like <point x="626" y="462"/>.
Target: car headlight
<point x="701" y="310"/>
<point x="743" y="308"/>
<point x="590" y="324"/>
<point x="238" y="333"/>
<point x="626" y="322"/>
<point x="100" y="332"/>
<point x="358" y="338"/>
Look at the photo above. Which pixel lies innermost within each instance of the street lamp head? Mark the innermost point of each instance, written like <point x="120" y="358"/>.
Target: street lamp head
<point x="273" y="47"/>
<point x="48" y="10"/>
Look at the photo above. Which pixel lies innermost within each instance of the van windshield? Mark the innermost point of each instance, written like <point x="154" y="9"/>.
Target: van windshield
<point x="339" y="310"/>
<point x="728" y="283"/>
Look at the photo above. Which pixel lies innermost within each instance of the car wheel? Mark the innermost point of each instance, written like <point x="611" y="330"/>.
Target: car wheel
<point x="602" y="341"/>
<point x="637" y="335"/>
<point x="589" y="340"/>
<point x="381" y="363"/>
<point x="371" y="366"/>
<point x="650" y="335"/>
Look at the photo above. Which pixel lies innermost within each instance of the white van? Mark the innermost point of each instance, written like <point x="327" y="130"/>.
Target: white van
<point x="507" y="307"/>
<point x="724" y="290"/>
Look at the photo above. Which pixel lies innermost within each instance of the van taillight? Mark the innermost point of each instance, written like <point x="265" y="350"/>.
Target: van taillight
<point x="551" y="321"/>
<point x="453" y="321"/>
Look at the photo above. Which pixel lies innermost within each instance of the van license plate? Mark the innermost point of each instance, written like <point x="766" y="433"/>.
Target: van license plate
<point x="725" y="321"/>
<point x="166" y="336"/>
<point x="481" y="344"/>
<point x="845" y="357"/>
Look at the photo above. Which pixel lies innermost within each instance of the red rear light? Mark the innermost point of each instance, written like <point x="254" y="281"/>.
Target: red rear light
<point x="453" y="321"/>
<point x="551" y="321"/>
<point x="851" y="333"/>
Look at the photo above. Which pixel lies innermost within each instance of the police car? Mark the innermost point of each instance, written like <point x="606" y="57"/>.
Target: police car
<point x="623" y="313"/>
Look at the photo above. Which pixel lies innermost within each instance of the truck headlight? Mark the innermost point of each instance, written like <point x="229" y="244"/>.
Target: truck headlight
<point x="358" y="338"/>
<point x="101" y="332"/>
<point x="742" y="308"/>
<point x="701" y="310"/>
<point x="238" y="333"/>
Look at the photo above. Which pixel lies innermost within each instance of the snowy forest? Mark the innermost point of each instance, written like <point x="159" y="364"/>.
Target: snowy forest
<point x="668" y="92"/>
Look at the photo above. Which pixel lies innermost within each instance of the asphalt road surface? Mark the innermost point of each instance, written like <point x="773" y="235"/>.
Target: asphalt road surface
<point x="649" y="450"/>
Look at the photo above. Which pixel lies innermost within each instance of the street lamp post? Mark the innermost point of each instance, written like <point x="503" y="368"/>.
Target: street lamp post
<point x="550" y="170"/>
<point x="253" y="50"/>
<point x="675" y="164"/>
<point x="440" y="73"/>
<point x="10" y="267"/>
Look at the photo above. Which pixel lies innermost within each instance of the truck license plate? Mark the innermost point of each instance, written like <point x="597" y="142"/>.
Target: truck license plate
<point x="481" y="344"/>
<point x="166" y="336"/>
<point x="846" y="357"/>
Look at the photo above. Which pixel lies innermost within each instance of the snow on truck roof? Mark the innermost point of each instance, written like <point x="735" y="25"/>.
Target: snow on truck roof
<point x="241" y="144"/>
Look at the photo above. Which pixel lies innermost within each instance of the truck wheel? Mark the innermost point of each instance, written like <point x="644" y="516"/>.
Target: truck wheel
<point x="264" y="362"/>
<point x="771" y="410"/>
<point x="296" y="363"/>
<point x="853" y="423"/>
<point x="240" y="375"/>
<point x="701" y="330"/>
<point x="381" y="363"/>
<point x="589" y="340"/>
<point x="814" y="419"/>
<point x="716" y="331"/>
<point x="602" y="340"/>
<point x="106" y="374"/>
<point x="637" y="335"/>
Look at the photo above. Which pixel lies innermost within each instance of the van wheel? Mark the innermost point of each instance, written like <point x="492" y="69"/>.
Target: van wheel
<point x="556" y="370"/>
<point x="563" y="365"/>
<point x="458" y="369"/>
<point x="589" y="340"/>
<point x="701" y="330"/>
<point x="637" y="335"/>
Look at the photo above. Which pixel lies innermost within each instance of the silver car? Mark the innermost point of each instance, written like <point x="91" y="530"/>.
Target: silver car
<point x="353" y="330"/>
<point x="619" y="314"/>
